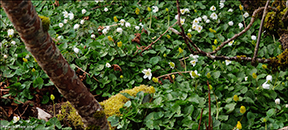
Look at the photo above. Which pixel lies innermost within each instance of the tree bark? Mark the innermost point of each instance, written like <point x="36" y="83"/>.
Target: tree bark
<point x="26" y="21"/>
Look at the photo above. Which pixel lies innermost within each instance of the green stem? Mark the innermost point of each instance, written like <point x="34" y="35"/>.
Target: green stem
<point x="150" y="20"/>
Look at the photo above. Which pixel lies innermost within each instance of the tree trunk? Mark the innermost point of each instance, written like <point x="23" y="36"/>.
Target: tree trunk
<point x="26" y="21"/>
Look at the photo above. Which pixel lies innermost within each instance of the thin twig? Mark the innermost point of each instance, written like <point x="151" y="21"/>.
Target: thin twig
<point x="173" y="73"/>
<point x="182" y="29"/>
<point x="200" y="119"/>
<point x="86" y="72"/>
<point x="149" y="46"/>
<point x="259" y="33"/>
<point x="243" y="31"/>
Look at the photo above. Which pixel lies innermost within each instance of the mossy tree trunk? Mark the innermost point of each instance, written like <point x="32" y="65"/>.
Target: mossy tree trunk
<point x="26" y="21"/>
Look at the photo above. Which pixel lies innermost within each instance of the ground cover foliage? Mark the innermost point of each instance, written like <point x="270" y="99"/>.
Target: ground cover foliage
<point x="110" y="59"/>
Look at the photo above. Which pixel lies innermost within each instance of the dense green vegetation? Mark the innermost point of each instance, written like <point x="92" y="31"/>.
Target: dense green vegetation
<point x="114" y="62"/>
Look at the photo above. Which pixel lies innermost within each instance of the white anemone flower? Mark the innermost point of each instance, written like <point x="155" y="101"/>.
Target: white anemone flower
<point x="172" y="65"/>
<point x="212" y="8"/>
<point x="71" y="15"/>
<point x="240" y="25"/>
<point x="16" y="119"/>
<point x="253" y="37"/>
<point x="246" y="14"/>
<point x="155" y="9"/>
<point x="204" y="17"/>
<point x="193" y="62"/>
<point x="195" y="74"/>
<point x="230" y="23"/>
<point x="84" y="11"/>
<point x="214" y="16"/>
<point x="199" y="28"/>
<point x="93" y="36"/>
<point x="231" y="43"/>
<point x="82" y="21"/>
<point x="269" y="78"/>
<point x="10" y="32"/>
<point x="120" y="30"/>
<point x="108" y="65"/>
<point x="230" y="10"/>
<point x="221" y="5"/>
<point x="265" y="85"/>
<point x="61" y="25"/>
<point x="65" y="14"/>
<point x="76" y="26"/>
<point x="105" y="9"/>
<point x="76" y="50"/>
<point x="277" y="101"/>
<point x="127" y="24"/>
<point x="147" y="73"/>
<point x="227" y="62"/>
<point x="137" y="27"/>
<point x="13" y="42"/>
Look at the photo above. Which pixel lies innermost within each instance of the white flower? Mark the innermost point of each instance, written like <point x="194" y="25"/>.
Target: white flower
<point x="240" y="25"/>
<point x="108" y="65"/>
<point x="189" y="30"/>
<point x="59" y="37"/>
<point x="227" y="62"/>
<point x="207" y="21"/>
<point x="204" y="17"/>
<point x="194" y="26"/>
<point x="286" y="104"/>
<point x="199" y="28"/>
<point x="108" y="28"/>
<point x="76" y="26"/>
<point x="104" y="31"/>
<point x="176" y="17"/>
<point x="137" y="27"/>
<point x="93" y="36"/>
<point x="27" y="56"/>
<point x="105" y="9"/>
<point x="214" y="16"/>
<point x="246" y="78"/>
<point x="253" y="37"/>
<point x="119" y="30"/>
<point x="246" y="14"/>
<point x="82" y="21"/>
<point x="127" y="24"/>
<point x="84" y="11"/>
<point x="212" y="8"/>
<point x="13" y="42"/>
<point x="76" y="50"/>
<point x="186" y="10"/>
<point x="65" y="21"/>
<point x="5" y="56"/>
<point x="222" y="1"/>
<point x="61" y="25"/>
<point x="140" y="24"/>
<point x="230" y="23"/>
<point x="231" y="43"/>
<point x="172" y="65"/>
<point x="155" y="9"/>
<point x="147" y="73"/>
<point x="221" y="5"/>
<point x="182" y="21"/>
<point x="194" y="76"/>
<point x="182" y="11"/>
<point x="10" y="32"/>
<point x="15" y="119"/>
<point x="277" y="101"/>
<point x="193" y="62"/>
<point x="71" y="15"/>
<point x="195" y="57"/>
<point x="122" y="21"/>
<point x="269" y="78"/>
<point x="230" y="10"/>
<point x="65" y="14"/>
<point x="195" y="21"/>
<point x="265" y="85"/>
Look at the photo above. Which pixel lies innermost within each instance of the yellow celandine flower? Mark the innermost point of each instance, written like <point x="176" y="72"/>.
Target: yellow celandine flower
<point x="212" y="30"/>
<point x="254" y="75"/>
<point x="195" y="10"/>
<point x="149" y="9"/>
<point x="137" y="11"/>
<point x="264" y="120"/>
<point x="25" y="60"/>
<point x="180" y="50"/>
<point x="240" y="7"/>
<point x="119" y="44"/>
<point x="164" y="55"/>
<point x="210" y="86"/>
<point x="52" y="97"/>
<point x="236" y="98"/>
<point x="242" y="109"/>
<point x="239" y="125"/>
<point x="33" y="70"/>
<point x="215" y="41"/>
<point x="115" y="19"/>
<point x="208" y="75"/>
<point x="154" y="79"/>
<point x="168" y="36"/>
<point x="121" y="76"/>
<point x="110" y="38"/>
<point x="167" y="9"/>
<point x="189" y="35"/>
<point x="173" y="76"/>
<point x="35" y="60"/>
<point x="264" y="66"/>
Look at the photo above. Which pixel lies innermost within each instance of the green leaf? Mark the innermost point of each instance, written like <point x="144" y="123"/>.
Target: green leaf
<point x="38" y="82"/>
<point x="271" y="112"/>
<point x="216" y="74"/>
<point x="154" y="60"/>
<point x="230" y="107"/>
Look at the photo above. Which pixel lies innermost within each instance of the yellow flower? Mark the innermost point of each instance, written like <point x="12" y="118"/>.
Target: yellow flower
<point x="180" y="50"/>
<point x="213" y="47"/>
<point x="189" y="35"/>
<point x="35" y="60"/>
<point x="173" y="76"/>
<point x="121" y="76"/>
<point x="119" y="44"/>
<point x="164" y="55"/>
<point x="242" y="109"/>
<point x="264" y="120"/>
<point x="208" y="75"/>
<point x="210" y="86"/>
<point x="254" y="75"/>
<point x="215" y="41"/>
<point x="236" y="98"/>
<point x="167" y="9"/>
<point x="194" y="74"/>
<point x="33" y="70"/>
<point x="149" y="9"/>
<point x="52" y="97"/>
<point x="25" y="60"/>
<point x="195" y="10"/>
<point x="240" y="7"/>
<point x="264" y="66"/>
<point x="152" y="89"/>
<point x="137" y="11"/>
<point x="110" y="38"/>
<point x="239" y="126"/>
<point x="155" y="80"/>
<point x="212" y="30"/>
<point x="168" y="36"/>
<point x="115" y="19"/>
